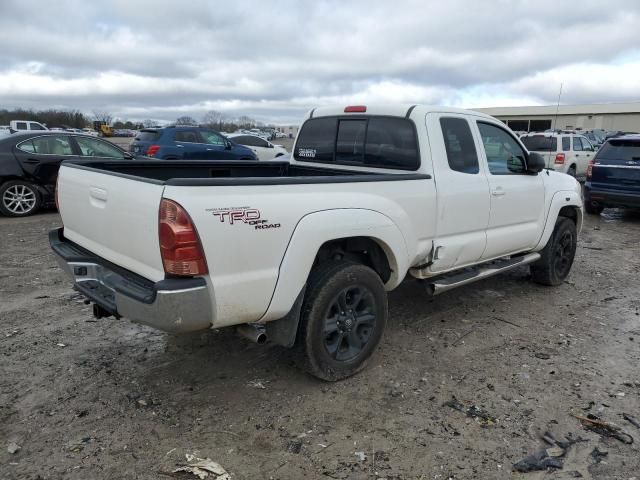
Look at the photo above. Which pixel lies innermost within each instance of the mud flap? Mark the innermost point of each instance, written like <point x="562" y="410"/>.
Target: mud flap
<point x="284" y="330"/>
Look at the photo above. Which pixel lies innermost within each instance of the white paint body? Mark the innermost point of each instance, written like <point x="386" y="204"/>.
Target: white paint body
<point x="452" y="219"/>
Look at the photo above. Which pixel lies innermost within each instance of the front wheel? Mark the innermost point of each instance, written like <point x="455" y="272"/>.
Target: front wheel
<point x="19" y="198"/>
<point x="343" y="317"/>
<point x="557" y="256"/>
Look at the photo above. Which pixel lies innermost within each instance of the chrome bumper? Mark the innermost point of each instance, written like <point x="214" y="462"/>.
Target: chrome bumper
<point x="172" y="305"/>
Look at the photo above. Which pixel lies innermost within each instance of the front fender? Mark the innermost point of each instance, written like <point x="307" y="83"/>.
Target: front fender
<point x="317" y="228"/>
<point x="564" y="198"/>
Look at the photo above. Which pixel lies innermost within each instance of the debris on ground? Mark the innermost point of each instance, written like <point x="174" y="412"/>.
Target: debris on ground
<point x="13" y="447"/>
<point x="540" y="460"/>
<point x="203" y="468"/>
<point x="479" y="414"/>
<point x="294" y="446"/>
<point x="361" y="456"/>
<point x="256" y="384"/>
<point x="542" y="355"/>
<point x="631" y="419"/>
<point x="61" y="345"/>
<point x="598" y="454"/>
<point x="595" y="424"/>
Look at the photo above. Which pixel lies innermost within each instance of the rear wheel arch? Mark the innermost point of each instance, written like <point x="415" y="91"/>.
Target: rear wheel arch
<point x="367" y="251"/>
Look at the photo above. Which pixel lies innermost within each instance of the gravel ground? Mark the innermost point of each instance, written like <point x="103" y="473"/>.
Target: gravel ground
<point x="108" y="399"/>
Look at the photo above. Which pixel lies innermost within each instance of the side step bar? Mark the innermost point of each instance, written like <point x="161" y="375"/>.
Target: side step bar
<point x="446" y="282"/>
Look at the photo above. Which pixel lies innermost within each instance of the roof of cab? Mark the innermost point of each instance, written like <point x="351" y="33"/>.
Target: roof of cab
<point x="394" y="110"/>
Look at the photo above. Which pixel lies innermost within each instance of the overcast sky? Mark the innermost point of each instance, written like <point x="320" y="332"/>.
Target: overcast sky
<point x="275" y="60"/>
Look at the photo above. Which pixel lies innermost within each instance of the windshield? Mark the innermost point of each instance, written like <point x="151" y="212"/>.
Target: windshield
<point x="540" y="143"/>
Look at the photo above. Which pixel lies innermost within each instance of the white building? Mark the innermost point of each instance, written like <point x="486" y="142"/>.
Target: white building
<point x="607" y="116"/>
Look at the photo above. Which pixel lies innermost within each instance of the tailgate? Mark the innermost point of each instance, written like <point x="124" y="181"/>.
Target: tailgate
<point x="617" y="166"/>
<point x="112" y="216"/>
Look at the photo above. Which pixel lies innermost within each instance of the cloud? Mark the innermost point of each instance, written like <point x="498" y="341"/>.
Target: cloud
<point x="275" y="60"/>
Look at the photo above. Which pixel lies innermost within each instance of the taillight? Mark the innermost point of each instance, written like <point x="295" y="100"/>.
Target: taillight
<point x="559" y="159"/>
<point x="590" y="169"/>
<point x="355" y="109"/>
<point x="180" y="246"/>
<point x="152" y="150"/>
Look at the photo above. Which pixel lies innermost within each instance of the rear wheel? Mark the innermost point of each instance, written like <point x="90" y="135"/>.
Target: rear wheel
<point x="19" y="198"/>
<point x="557" y="256"/>
<point x="593" y="208"/>
<point x="343" y="317"/>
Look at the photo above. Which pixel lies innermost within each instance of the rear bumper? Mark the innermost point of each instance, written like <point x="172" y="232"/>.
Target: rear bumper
<point x="611" y="198"/>
<point x="172" y="305"/>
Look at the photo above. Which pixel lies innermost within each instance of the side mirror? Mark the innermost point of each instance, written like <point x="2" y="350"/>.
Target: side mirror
<point x="270" y="145"/>
<point x="535" y="163"/>
<point x="128" y="156"/>
<point x="227" y="145"/>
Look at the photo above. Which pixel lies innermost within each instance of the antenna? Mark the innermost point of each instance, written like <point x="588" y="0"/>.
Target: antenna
<point x="555" y="120"/>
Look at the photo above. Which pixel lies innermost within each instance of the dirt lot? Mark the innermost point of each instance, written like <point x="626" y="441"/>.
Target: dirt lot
<point x="108" y="399"/>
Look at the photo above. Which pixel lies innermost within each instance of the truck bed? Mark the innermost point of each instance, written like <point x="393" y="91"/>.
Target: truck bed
<point x="216" y="173"/>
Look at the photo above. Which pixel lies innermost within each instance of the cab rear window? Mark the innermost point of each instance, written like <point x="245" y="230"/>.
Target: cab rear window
<point x="540" y="143"/>
<point x="378" y="142"/>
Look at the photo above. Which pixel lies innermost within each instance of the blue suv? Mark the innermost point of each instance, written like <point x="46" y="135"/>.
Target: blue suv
<point x="188" y="143"/>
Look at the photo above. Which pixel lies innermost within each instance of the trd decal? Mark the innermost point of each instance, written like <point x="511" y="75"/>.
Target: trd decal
<point x="242" y="216"/>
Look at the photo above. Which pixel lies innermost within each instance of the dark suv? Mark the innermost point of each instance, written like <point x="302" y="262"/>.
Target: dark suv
<point x="613" y="176"/>
<point x="188" y="142"/>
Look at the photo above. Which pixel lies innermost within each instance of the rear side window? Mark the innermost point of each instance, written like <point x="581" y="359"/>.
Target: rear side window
<point x="566" y="144"/>
<point x="624" y="150"/>
<point x="148" y="135"/>
<point x="380" y="142"/>
<point x="577" y="144"/>
<point x="189" y="136"/>
<point x="21" y="126"/>
<point x="458" y="141"/>
<point x="540" y="143"/>
<point x="36" y="126"/>
<point x="316" y="140"/>
<point x="50" y="145"/>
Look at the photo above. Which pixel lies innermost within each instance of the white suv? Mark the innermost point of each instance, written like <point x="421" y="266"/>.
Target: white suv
<point x="564" y="152"/>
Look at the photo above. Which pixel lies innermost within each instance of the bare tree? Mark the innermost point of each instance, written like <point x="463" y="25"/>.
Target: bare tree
<point x="213" y="118"/>
<point x="185" y="120"/>
<point x="102" y="116"/>
<point x="148" y="123"/>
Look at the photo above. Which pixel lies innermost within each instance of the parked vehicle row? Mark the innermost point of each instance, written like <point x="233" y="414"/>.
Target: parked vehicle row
<point x="264" y="149"/>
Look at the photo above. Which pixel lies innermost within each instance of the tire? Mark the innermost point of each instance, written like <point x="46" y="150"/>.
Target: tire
<point x="332" y="346"/>
<point x="19" y="198"/>
<point x="557" y="256"/>
<point x="572" y="171"/>
<point x="593" y="208"/>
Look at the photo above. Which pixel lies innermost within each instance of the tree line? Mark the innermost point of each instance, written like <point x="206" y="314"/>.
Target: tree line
<point x="76" y="119"/>
<point x="51" y="117"/>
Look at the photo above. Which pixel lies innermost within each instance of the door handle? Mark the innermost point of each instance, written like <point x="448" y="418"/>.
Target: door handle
<point x="32" y="161"/>
<point x="180" y="146"/>
<point x="209" y="149"/>
<point x="497" y="192"/>
<point x="577" y="154"/>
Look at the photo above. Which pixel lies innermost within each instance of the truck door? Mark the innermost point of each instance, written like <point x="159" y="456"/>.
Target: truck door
<point x="462" y="192"/>
<point x="517" y="198"/>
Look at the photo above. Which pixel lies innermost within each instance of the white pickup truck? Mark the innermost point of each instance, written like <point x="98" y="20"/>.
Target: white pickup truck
<point x="302" y="252"/>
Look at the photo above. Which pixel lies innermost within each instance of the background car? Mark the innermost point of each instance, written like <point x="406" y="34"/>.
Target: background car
<point x="189" y="143"/>
<point x="613" y="177"/>
<point x="29" y="164"/>
<point x="264" y="149"/>
<point x="564" y="152"/>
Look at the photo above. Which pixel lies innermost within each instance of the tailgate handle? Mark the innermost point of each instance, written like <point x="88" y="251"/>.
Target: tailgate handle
<point x="98" y="196"/>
